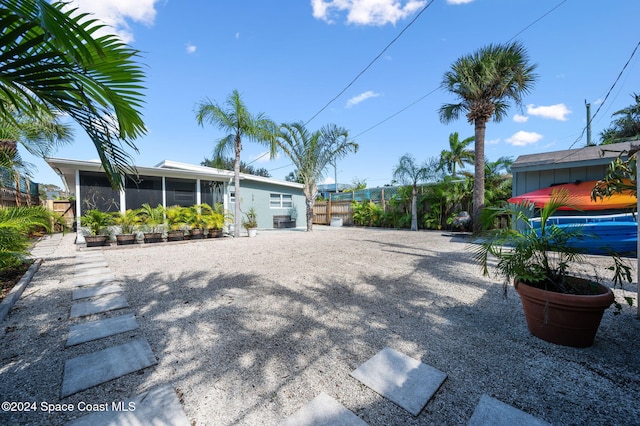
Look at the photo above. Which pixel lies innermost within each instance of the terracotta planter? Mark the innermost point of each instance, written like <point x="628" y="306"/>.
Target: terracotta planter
<point x="214" y="233"/>
<point x="96" y="240"/>
<point x="175" y="235"/>
<point x="564" y="319"/>
<point x="125" y="239"/>
<point x="197" y="234"/>
<point x="153" y="237"/>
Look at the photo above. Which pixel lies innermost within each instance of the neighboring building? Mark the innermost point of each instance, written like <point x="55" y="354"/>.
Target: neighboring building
<point x="536" y="171"/>
<point x="172" y="183"/>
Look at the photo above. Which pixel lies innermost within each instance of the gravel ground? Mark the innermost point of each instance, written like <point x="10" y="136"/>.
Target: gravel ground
<point x="249" y="330"/>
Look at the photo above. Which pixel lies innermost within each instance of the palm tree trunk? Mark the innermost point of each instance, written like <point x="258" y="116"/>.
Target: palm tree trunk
<point x="310" y="194"/>
<point x="414" y="208"/>
<point x="478" y="182"/>
<point x="236" y="175"/>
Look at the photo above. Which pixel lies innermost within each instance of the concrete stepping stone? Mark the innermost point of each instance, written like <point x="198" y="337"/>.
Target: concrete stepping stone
<point x="103" y="304"/>
<point x="103" y="270"/>
<point x="323" y="411"/>
<point x="492" y="412"/>
<point x="93" y="264"/>
<point x="94" y="330"/>
<point x="94" y="280"/>
<point x="405" y="381"/>
<point x="87" y="371"/>
<point x="158" y="406"/>
<point x="99" y="290"/>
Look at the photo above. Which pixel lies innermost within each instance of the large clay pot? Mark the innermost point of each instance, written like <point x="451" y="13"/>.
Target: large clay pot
<point x="153" y="237"/>
<point x="197" y="234"/>
<point x="214" y="233"/>
<point x="125" y="239"/>
<point x="564" y="319"/>
<point x="177" y="235"/>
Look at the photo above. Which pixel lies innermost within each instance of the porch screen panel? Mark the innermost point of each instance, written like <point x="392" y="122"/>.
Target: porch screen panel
<point x="147" y="190"/>
<point x="180" y="192"/>
<point x="96" y="193"/>
<point x="211" y="192"/>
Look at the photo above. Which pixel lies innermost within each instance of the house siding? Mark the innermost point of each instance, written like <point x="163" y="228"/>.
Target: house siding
<point x="257" y="195"/>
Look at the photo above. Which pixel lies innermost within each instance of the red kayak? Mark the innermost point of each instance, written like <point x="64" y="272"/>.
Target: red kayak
<point x="580" y="194"/>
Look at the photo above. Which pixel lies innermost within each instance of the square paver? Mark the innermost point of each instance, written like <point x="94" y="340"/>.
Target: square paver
<point x="87" y="371"/>
<point x="103" y="270"/>
<point x="103" y="304"/>
<point x="93" y="280"/>
<point x="94" y="330"/>
<point x="323" y="411"/>
<point x="403" y="380"/>
<point x="97" y="263"/>
<point x="158" y="406"/>
<point x="99" y="290"/>
<point x="492" y="412"/>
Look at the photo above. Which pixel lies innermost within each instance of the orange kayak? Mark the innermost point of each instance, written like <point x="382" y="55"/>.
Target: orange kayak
<point x="580" y="197"/>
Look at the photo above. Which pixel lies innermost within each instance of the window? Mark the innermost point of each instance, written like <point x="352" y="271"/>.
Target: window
<point x="280" y="201"/>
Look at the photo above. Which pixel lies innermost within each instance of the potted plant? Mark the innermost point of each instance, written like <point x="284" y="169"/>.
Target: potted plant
<point x="98" y="223"/>
<point x="560" y="306"/>
<point x="216" y="220"/>
<point x="196" y="217"/>
<point x="176" y="221"/>
<point x="152" y="220"/>
<point x="250" y="222"/>
<point x="127" y="222"/>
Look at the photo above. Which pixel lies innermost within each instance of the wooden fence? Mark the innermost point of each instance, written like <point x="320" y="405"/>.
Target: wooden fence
<point x="64" y="208"/>
<point x="323" y="211"/>
<point x="9" y="197"/>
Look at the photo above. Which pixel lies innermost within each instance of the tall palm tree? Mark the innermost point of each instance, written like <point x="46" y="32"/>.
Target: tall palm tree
<point x="51" y="61"/>
<point x="626" y="127"/>
<point x="484" y="83"/>
<point x="457" y="155"/>
<point x="234" y="117"/>
<point x="311" y="153"/>
<point x="408" y="172"/>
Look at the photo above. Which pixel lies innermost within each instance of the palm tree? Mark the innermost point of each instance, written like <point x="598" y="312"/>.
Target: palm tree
<point x="51" y="63"/>
<point x="485" y="82"/>
<point x="234" y="117"/>
<point x="626" y="127"/>
<point x="311" y="153"/>
<point x="408" y="172"/>
<point x="458" y="154"/>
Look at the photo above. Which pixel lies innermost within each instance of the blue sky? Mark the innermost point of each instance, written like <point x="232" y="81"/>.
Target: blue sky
<point x="288" y="59"/>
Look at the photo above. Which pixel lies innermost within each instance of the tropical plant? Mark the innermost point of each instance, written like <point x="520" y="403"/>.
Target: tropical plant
<point x="16" y="223"/>
<point x="234" y="117"/>
<point x="626" y="126"/>
<point x="485" y="82"/>
<point x="311" y="153"/>
<point x="457" y="155"/>
<point x="228" y="164"/>
<point x="126" y="220"/>
<point x="176" y="217"/>
<point x="54" y="64"/>
<point x="410" y="173"/>
<point x="366" y="213"/>
<point x="152" y="218"/>
<point x="97" y="221"/>
<point x="540" y="257"/>
<point x="250" y="220"/>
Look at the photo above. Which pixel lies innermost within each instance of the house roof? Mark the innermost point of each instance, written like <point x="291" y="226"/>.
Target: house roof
<point x="66" y="170"/>
<point x="586" y="156"/>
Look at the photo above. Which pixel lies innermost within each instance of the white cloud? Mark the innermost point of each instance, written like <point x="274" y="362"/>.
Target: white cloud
<point x="520" y="118"/>
<point x="492" y="142"/>
<point x="522" y="138"/>
<point x="191" y="48"/>
<point x="237" y="36"/>
<point x="329" y="180"/>
<point x="117" y="14"/>
<point x="555" y="112"/>
<point x="361" y="97"/>
<point x="366" y="12"/>
<point x="458" y="1"/>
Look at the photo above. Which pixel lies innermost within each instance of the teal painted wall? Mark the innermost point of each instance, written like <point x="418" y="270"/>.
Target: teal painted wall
<point x="257" y="195"/>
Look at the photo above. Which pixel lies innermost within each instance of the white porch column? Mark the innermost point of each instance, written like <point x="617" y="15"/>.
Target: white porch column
<point x="164" y="192"/>
<point x="198" y="195"/>
<point x="123" y="201"/>
<point x="78" y="200"/>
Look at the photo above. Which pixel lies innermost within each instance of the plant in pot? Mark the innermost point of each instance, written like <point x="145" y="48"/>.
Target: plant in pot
<point x="176" y="221"/>
<point x="559" y="305"/>
<point x="127" y="222"/>
<point x="196" y="217"/>
<point x="250" y="222"/>
<point x="98" y="223"/>
<point x="152" y="220"/>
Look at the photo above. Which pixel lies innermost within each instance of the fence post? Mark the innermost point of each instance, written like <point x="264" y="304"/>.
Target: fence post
<point x="329" y="210"/>
<point x="384" y="203"/>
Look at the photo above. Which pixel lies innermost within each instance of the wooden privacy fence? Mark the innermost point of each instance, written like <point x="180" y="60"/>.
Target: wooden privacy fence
<point x="323" y="211"/>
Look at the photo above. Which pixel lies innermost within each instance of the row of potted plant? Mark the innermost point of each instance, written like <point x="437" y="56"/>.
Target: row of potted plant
<point x="196" y="221"/>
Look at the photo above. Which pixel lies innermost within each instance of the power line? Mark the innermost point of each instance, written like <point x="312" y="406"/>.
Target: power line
<point x="372" y="62"/>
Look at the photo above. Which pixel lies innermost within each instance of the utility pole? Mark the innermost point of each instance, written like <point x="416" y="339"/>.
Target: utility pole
<point x="588" y="122"/>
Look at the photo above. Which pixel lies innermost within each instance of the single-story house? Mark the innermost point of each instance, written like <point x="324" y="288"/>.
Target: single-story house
<point x="535" y="171"/>
<point x="172" y="183"/>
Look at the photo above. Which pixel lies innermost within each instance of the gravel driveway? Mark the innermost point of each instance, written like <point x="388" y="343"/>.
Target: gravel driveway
<point x="248" y="330"/>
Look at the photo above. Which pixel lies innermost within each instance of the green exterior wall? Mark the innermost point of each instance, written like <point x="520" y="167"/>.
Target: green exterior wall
<point x="257" y="195"/>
